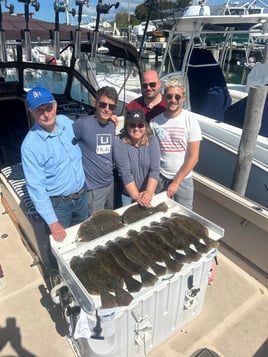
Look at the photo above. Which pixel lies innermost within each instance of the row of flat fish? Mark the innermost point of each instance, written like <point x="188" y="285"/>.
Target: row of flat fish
<point x="126" y="264"/>
<point x="106" y="221"/>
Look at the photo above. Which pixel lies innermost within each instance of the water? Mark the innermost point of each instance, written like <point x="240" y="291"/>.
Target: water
<point x="233" y="72"/>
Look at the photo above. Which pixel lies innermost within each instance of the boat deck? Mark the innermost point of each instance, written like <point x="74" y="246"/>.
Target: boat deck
<point x="233" y="322"/>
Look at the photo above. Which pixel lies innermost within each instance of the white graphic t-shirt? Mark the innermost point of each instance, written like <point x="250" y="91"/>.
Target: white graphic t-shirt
<point x="174" y="135"/>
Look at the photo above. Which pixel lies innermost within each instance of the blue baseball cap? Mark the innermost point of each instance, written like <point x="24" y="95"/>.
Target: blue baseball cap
<point x="38" y="96"/>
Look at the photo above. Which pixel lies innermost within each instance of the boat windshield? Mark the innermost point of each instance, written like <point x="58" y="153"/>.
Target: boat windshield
<point x="53" y="81"/>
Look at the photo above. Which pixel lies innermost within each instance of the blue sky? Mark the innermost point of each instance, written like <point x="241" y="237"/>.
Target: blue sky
<point x="46" y="11"/>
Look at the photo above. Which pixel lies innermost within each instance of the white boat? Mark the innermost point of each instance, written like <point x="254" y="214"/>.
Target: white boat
<point x="207" y="42"/>
<point x="35" y="318"/>
<point x="149" y="55"/>
<point x="246" y="8"/>
<point x="138" y="30"/>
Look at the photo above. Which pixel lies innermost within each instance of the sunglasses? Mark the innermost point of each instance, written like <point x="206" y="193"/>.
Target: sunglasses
<point x="176" y="96"/>
<point x="136" y="125"/>
<point x="103" y="105"/>
<point x="151" y="84"/>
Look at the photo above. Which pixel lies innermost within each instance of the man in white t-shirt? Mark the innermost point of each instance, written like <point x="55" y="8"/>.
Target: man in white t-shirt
<point x="179" y="136"/>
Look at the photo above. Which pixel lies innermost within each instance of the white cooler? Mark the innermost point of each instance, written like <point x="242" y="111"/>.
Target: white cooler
<point x="154" y="314"/>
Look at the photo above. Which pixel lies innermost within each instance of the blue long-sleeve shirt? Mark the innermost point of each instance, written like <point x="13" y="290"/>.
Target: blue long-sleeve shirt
<point x="137" y="163"/>
<point x="52" y="165"/>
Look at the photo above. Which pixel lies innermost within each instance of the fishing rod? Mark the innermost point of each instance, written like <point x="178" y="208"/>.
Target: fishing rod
<point x="101" y="9"/>
<point x="151" y="4"/>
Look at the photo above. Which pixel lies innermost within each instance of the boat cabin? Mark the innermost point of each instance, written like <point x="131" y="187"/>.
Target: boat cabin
<point x="67" y="65"/>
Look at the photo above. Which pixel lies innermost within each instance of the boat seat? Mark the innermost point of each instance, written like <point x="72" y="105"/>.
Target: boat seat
<point x="19" y="206"/>
<point x="208" y="91"/>
<point x="15" y="176"/>
<point x="235" y="115"/>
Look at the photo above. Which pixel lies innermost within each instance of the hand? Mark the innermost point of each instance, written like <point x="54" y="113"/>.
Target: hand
<point x="172" y="189"/>
<point x="115" y="119"/>
<point x="57" y="231"/>
<point x="138" y="199"/>
<point x="145" y="198"/>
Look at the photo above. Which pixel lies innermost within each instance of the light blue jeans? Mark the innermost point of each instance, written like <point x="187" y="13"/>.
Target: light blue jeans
<point x="185" y="193"/>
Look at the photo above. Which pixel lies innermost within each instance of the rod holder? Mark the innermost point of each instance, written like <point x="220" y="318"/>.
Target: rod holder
<point x="56" y="44"/>
<point x="3" y="50"/>
<point x="27" y="45"/>
<point x="77" y="48"/>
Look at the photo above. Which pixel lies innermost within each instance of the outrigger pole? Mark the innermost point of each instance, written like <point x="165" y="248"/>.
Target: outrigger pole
<point x="27" y="33"/>
<point x="59" y="6"/>
<point x="3" y="51"/>
<point x="77" y="48"/>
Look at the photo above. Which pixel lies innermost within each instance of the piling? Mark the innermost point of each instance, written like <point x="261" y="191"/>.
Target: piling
<point x="252" y="124"/>
<point x="265" y="54"/>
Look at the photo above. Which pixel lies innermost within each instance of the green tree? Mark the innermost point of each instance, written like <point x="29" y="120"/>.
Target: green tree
<point x="134" y="20"/>
<point x="182" y="4"/>
<point x="141" y="12"/>
<point x="159" y="8"/>
<point x="121" y="19"/>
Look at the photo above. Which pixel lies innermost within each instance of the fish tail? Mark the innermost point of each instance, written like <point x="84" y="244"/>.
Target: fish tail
<point x="123" y="298"/>
<point x="148" y="279"/>
<point x="107" y="299"/>
<point x="173" y="265"/>
<point x="132" y="284"/>
<point x="159" y="269"/>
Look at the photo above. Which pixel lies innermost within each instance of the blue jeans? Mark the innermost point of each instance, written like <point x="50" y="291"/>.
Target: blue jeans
<point x="71" y="212"/>
<point x="185" y="193"/>
<point x="126" y="200"/>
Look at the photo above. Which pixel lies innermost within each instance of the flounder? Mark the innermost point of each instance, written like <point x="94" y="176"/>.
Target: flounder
<point x="137" y="212"/>
<point x="196" y="228"/>
<point x="80" y="269"/>
<point x="102" y="280"/>
<point x="101" y="222"/>
<point x="148" y="279"/>
<point x="110" y="264"/>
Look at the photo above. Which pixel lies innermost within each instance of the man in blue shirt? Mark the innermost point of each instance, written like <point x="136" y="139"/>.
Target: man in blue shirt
<point x="52" y="166"/>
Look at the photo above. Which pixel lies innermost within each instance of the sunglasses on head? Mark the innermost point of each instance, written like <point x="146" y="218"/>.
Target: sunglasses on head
<point x="136" y="125"/>
<point x="103" y="105"/>
<point x="176" y="96"/>
<point x="151" y="84"/>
